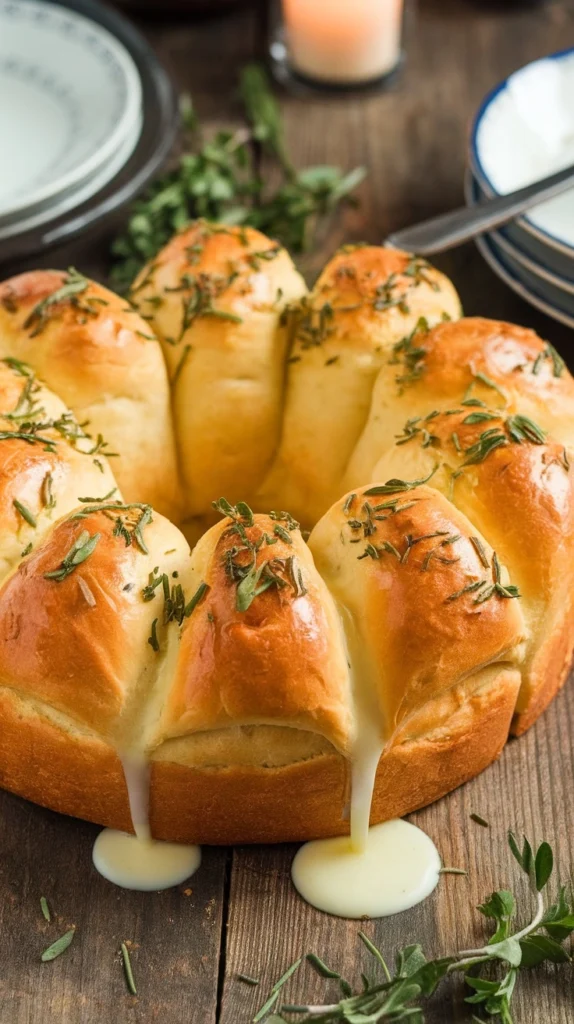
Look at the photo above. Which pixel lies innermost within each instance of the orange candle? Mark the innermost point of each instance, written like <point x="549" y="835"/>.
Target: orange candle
<point x="343" y="41"/>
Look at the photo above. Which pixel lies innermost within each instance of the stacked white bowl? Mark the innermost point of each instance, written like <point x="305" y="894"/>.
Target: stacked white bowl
<point x="523" y="131"/>
<point x="70" y="111"/>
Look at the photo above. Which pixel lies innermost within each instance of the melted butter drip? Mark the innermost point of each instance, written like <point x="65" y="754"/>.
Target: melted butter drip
<point x="373" y="872"/>
<point x="397" y="868"/>
<point x="138" y="861"/>
<point x="367" y="754"/>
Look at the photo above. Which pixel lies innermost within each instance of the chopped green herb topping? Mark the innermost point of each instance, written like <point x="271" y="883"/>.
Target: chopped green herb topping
<point x="396" y="486"/>
<point x="240" y="561"/>
<point x="411" y="354"/>
<point x="123" y="517"/>
<point x="200" y="290"/>
<point x="74" y="285"/>
<point x="25" y="513"/>
<point x="81" y="549"/>
<point x="549" y="352"/>
<point x="484" y="589"/>
<point x="312" y="325"/>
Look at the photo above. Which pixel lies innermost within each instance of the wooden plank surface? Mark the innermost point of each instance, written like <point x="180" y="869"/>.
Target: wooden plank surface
<point x="242" y="914"/>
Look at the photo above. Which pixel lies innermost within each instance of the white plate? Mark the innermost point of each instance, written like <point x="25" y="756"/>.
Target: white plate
<point x="73" y="197"/>
<point x="504" y="273"/>
<point x="547" y="291"/>
<point x="524" y="130"/>
<point x="69" y="94"/>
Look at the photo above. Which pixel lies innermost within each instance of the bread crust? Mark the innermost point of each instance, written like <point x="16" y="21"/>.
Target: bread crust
<point x="301" y="801"/>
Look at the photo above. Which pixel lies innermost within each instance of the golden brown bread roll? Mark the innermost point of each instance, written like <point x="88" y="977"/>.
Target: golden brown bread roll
<point x="469" y="411"/>
<point x="365" y="301"/>
<point x="47" y="464"/>
<point x="288" y="633"/>
<point x="432" y="597"/>
<point x="102" y="360"/>
<point x="73" y="623"/>
<point x="215" y="296"/>
<point x="404" y="564"/>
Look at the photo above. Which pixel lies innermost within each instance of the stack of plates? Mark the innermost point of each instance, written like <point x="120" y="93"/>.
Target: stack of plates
<point x="523" y="131"/>
<point x="77" y="83"/>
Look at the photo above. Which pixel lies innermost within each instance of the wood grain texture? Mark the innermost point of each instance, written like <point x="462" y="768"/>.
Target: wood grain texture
<point x="243" y="915"/>
<point x="174" y="937"/>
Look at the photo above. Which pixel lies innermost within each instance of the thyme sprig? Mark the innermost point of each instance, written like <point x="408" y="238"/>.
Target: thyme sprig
<point x="490" y="972"/>
<point x="220" y="179"/>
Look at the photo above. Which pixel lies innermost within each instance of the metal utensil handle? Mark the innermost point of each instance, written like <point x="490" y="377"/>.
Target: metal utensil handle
<point x="450" y="229"/>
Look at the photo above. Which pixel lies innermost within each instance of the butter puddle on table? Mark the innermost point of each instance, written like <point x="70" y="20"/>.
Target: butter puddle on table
<point x="373" y="872"/>
<point x="138" y="861"/>
<point x="397" y="868"/>
<point x="377" y="871"/>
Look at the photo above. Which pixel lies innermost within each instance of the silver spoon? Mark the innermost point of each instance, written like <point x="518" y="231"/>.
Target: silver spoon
<point x="450" y="229"/>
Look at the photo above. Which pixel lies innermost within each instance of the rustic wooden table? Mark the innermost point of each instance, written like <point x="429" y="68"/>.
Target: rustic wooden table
<point x="240" y="913"/>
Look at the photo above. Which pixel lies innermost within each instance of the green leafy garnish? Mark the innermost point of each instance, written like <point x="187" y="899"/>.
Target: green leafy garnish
<point x="220" y="179"/>
<point x="74" y="285"/>
<point x="59" y="946"/>
<point x="490" y="972"/>
<point x="249" y="578"/>
<point x="81" y="549"/>
<point x="25" y="513"/>
<point x="128" y="972"/>
<point x="396" y="486"/>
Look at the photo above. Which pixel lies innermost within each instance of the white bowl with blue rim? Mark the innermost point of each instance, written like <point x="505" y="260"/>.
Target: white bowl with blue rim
<point x="70" y="96"/>
<point x="549" y="292"/>
<point x="523" y="131"/>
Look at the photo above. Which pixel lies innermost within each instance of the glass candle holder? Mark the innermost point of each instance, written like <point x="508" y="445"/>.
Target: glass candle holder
<point x="337" y="44"/>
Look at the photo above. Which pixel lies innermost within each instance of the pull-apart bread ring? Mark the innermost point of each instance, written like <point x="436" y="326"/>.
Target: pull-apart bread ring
<point x="432" y="600"/>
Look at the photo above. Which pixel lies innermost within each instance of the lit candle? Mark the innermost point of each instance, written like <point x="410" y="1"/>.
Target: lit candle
<point x="343" y="41"/>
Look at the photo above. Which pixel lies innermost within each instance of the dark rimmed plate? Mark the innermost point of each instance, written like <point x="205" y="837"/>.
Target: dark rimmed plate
<point x="160" y="123"/>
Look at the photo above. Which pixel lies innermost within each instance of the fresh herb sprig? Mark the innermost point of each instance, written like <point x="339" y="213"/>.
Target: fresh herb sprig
<point x="398" y="996"/>
<point x="220" y="179"/>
